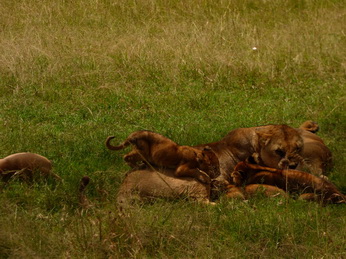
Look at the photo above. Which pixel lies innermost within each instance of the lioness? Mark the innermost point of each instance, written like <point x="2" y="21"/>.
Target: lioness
<point x="317" y="156"/>
<point x="293" y="181"/>
<point x="155" y="150"/>
<point x="150" y="184"/>
<point x="278" y="146"/>
<point x="24" y="165"/>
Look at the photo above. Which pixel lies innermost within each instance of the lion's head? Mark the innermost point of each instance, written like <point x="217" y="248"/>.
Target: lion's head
<point x="280" y="146"/>
<point x="204" y="159"/>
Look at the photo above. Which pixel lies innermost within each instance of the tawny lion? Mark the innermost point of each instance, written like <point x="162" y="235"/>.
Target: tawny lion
<point x="154" y="150"/>
<point x="277" y="146"/>
<point x="149" y="184"/>
<point x="293" y="181"/>
<point x="317" y="158"/>
<point x="24" y="165"/>
<point x="248" y="191"/>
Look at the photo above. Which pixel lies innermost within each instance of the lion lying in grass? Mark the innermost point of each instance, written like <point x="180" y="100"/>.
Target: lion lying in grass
<point x="24" y="165"/>
<point x="154" y="150"/>
<point x="277" y="146"/>
<point x="317" y="156"/>
<point x="292" y="181"/>
<point x="147" y="184"/>
<point x="252" y="190"/>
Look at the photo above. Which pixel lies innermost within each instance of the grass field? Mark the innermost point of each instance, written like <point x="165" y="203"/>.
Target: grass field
<point x="74" y="72"/>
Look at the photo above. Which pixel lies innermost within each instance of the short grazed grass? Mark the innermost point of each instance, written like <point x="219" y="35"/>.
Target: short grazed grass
<point x="72" y="73"/>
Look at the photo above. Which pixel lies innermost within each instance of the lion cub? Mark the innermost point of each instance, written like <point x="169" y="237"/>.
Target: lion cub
<point x="25" y="165"/>
<point x="153" y="149"/>
<point x="293" y="181"/>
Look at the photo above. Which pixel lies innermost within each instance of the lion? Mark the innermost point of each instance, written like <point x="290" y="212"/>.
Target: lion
<point x="292" y="181"/>
<point x="251" y="190"/>
<point x="317" y="158"/>
<point x="149" y="184"/>
<point x="155" y="150"/>
<point x="277" y="146"/>
<point x="24" y="165"/>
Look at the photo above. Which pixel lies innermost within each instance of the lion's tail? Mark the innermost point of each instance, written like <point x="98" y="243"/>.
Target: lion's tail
<point x="119" y="147"/>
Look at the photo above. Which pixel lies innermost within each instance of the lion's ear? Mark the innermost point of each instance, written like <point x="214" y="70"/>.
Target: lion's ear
<point x="253" y="159"/>
<point x="264" y="138"/>
<point x="236" y="174"/>
<point x="237" y="177"/>
<point x="207" y="148"/>
<point x="200" y="156"/>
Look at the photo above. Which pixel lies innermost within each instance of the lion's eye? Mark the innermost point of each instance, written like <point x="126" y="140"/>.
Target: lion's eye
<point x="280" y="152"/>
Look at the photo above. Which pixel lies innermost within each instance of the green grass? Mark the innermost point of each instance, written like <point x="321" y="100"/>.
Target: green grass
<point x="73" y="73"/>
